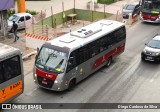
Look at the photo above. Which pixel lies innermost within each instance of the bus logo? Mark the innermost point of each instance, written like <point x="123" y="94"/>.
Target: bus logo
<point x="6" y="106"/>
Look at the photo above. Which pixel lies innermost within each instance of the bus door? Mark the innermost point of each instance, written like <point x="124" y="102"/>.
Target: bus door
<point x="11" y="78"/>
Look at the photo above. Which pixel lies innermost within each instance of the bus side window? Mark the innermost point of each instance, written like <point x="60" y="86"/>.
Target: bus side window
<point x="11" y="68"/>
<point x="83" y="54"/>
<point x="103" y="43"/>
<point x="94" y="48"/>
<point x="7" y="71"/>
<point x="73" y="61"/>
<point x="1" y="73"/>
<point x="120" y="34"/>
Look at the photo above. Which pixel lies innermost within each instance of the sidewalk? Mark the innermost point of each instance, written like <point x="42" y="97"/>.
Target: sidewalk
<point x="20" y="44"/>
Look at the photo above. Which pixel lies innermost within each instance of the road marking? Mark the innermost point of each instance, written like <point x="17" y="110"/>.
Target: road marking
<point x="154" y="77"/>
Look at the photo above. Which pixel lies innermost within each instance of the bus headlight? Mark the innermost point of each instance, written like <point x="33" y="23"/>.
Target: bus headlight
<point x="35" y="75"/>
<point x="56" y="81"/>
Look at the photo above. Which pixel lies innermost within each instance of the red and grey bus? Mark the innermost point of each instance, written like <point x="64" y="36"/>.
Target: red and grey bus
<point x="150" y="11"/>
<point x="64" y="61"/>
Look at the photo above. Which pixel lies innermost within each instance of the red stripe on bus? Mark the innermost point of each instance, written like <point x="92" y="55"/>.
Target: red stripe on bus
<point x="47" y="75"/>
<point x="104" y="58"/>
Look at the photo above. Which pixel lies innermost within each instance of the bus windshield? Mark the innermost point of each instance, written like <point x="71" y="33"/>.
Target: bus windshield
<point x="51" y="60"/>
<point x="152" y="6"/>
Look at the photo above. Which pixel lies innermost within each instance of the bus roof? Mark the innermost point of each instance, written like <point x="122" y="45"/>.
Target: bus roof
<point x="6" y="49"/>
<point x="86" y="34"/>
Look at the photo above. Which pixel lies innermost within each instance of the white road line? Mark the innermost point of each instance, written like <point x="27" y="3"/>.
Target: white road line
<point x="154" y="77"/>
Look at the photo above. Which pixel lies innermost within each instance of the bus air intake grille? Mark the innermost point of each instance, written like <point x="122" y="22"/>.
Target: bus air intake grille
<point x="86" y="32"/>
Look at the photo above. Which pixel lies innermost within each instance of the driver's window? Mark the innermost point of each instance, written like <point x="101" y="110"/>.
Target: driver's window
<point x="21" y="19"/>
<point x="73" y="61"/>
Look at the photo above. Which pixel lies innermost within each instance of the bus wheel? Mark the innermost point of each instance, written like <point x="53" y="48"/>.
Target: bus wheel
<point x="109" y="61"/>
<point x="72" y="84"/>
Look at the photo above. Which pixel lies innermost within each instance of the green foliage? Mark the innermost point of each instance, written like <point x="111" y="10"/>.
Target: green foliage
<point x="87" y="15"/>
<point x="31" y="12"/>
<point x="105" y="1"/>
<point x="10" y="12"/>
<point x="59" y="18"/>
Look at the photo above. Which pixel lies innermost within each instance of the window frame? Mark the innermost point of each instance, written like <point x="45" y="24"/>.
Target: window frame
<point x="12" y="67"/>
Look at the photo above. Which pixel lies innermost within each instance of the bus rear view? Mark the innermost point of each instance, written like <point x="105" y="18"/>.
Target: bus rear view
<point x="64" y="61"/>
<point x="11" y="73"/>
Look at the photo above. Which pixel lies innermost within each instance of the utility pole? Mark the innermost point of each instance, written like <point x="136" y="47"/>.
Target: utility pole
<point x="3" y="24"/>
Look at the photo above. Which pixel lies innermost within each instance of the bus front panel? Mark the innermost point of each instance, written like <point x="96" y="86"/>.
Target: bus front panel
<point x="50" y="68"/>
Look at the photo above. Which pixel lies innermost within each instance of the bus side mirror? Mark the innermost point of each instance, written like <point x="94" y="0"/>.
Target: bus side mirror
<point x="70" y="62"/>
<point x="69" y="65"/>
<point x="37" y="52"/>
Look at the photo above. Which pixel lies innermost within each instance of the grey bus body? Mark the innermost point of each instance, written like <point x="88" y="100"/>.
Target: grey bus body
<point x="81" y="53"/>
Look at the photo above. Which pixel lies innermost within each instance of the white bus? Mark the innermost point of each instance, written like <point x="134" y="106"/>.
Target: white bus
<point x="11" y="73"/>
<point x="63" y="62"/>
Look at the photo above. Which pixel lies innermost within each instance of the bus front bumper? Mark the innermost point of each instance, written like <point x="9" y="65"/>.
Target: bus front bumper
<point x="149" y="21"/>
<point x="52" y="85"/>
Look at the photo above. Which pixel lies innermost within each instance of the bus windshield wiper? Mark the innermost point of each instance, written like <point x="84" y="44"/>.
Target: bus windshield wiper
<point x="50" y="55"/>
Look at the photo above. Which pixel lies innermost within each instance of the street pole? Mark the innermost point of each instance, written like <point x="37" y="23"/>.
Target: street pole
<point x="92" y="8"/>
<point x="63" y="14"/>
<point x="42" y="21"/>
<point x="74" y="6"/>
<point x="104" y="11"/>
<point x="4" y="24"/>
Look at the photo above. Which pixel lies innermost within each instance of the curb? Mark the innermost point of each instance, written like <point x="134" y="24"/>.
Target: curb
<point x="28" y="55"/>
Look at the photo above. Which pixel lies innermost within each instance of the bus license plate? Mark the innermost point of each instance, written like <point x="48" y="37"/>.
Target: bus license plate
<point x="44" y="82"/>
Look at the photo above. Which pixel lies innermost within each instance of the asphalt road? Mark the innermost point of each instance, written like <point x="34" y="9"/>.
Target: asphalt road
<point x="127" y="80"/>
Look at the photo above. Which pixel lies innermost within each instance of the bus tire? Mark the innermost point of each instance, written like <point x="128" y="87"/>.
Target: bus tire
<point x="109" y="61"/>
<point x="72" y="84"/>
